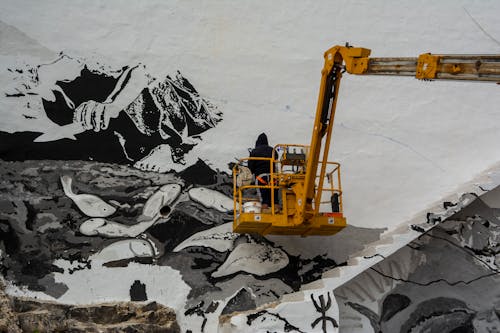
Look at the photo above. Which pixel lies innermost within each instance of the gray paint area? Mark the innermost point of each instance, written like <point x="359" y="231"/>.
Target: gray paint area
<point x="447" y="280"/>
<point x="62" y="240"/>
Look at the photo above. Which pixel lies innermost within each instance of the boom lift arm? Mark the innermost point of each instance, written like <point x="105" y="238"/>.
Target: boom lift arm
<point x="301" y="191"/>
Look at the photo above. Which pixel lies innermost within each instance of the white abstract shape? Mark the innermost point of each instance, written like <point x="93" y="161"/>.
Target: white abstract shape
<point x="265" y="322"/>
<point x="211" y="199"/>
<point x="102" y="227"/>
<point x="258" y="259"/>
<point x="63" y="69"/>
<point x="303" y="314"/>
<point x="159" y="159"/>
<point x="220" y="238"/>
<point x="89" y="227"/>
<point x="91" y="205"/>
<point x="60" y="132"/>
<point x="165" y="196"/>
<point x="125" y="249"/>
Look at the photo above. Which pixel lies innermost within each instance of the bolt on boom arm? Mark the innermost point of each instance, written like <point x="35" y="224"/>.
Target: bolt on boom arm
<point x="427" y="66"/>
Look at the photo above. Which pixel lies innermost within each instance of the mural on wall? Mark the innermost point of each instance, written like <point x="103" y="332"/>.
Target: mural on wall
<point x="65" y="223"/>
<point x="322" y="308"/>
<point x="447" y="280"/>
<point x="92" y="112"/>
<point x="437" y="276"/>
<point x="100" y="203"/>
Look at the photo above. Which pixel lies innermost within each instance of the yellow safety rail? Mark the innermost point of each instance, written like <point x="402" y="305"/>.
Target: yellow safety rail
<point x="285" y="180"/>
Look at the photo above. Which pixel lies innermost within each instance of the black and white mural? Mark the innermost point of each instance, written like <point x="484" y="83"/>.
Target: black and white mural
<point x="74" y="109"/>
<point x="437" y="276"/>
<point x="446" y="280"/>
<point x="79" y="231"/>
<point x="99" y="203"/>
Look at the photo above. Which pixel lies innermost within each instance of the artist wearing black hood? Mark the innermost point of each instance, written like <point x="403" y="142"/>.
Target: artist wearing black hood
<point x="262" y="149"/>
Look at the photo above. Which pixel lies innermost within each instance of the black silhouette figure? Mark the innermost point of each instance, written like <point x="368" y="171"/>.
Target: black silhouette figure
<point x="322" y="309"/>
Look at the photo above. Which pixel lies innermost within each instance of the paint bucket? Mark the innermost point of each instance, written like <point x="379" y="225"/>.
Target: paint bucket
<point x="252" y="207"/>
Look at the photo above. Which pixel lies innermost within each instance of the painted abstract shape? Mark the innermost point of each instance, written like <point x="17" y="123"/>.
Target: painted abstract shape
<point x="211" y="199"/>
<point x="102" y="227"/>
<point x="393" y="304"/>
<point x="138" y="292"/>
<point x="270" y="322"/>
<point x="160" y="202"/>
<point x="125" y="249"/>
<point x="322" y="308"/>
<point x="159" y="159"/>
<point x="373" y="317"/>
<point x="220" y="238"/>
<point x="89" y="204"/>
<point x="253" y="258"/>
<point x="242" y="301"/>
<point x="442" y="313"/>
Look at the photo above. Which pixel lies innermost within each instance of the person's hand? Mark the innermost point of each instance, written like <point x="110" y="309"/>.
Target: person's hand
<point x="94" y="115"/>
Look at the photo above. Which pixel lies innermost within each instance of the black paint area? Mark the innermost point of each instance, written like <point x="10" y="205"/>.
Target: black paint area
<point x="393" y="304"/>
<point x="322" y="306"/>
<point x="88" y="86"/>
<point x="287" y="327"/>
<point x="169" y="112"/>
<point x="181" y="225"/>
<point x="199" y="173"/>
<point x="138" y="291"/>
<point x="240" y="302"/>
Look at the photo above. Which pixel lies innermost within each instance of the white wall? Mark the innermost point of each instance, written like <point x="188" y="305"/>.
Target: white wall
<point x="403" y="144"/>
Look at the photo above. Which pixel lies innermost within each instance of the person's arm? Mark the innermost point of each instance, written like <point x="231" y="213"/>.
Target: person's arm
<point x="96" y="116"/>
<point x="128" y="87"/>
<point x="251" y="163"/>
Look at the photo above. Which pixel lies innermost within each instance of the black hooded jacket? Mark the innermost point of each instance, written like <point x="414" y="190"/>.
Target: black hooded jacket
<point x="262" y="149"/>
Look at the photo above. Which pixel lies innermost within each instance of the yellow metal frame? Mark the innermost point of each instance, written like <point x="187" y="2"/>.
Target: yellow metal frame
<point x="301" y="190"/>
<point x="287" y="178"/>
<point x="427" y="66"/>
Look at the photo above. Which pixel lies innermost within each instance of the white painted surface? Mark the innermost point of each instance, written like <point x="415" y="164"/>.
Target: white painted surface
<point x="301" y="314"/>
<point x="89" y="204"/>
<point x="211" y="199"/>
<point x="402" y="143"/>
<point x="257" y="259"/>
<point x="219" y="238"/>
<point x="165" y="196"/>
<point x="124" y="249"/>
<point x="100" y="284"/>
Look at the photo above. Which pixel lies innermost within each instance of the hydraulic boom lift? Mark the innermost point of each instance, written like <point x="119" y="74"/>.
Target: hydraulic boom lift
<point x="300" y="175"/>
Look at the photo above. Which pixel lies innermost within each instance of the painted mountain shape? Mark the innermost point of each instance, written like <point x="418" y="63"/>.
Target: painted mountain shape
<point x="102" y="114"/>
